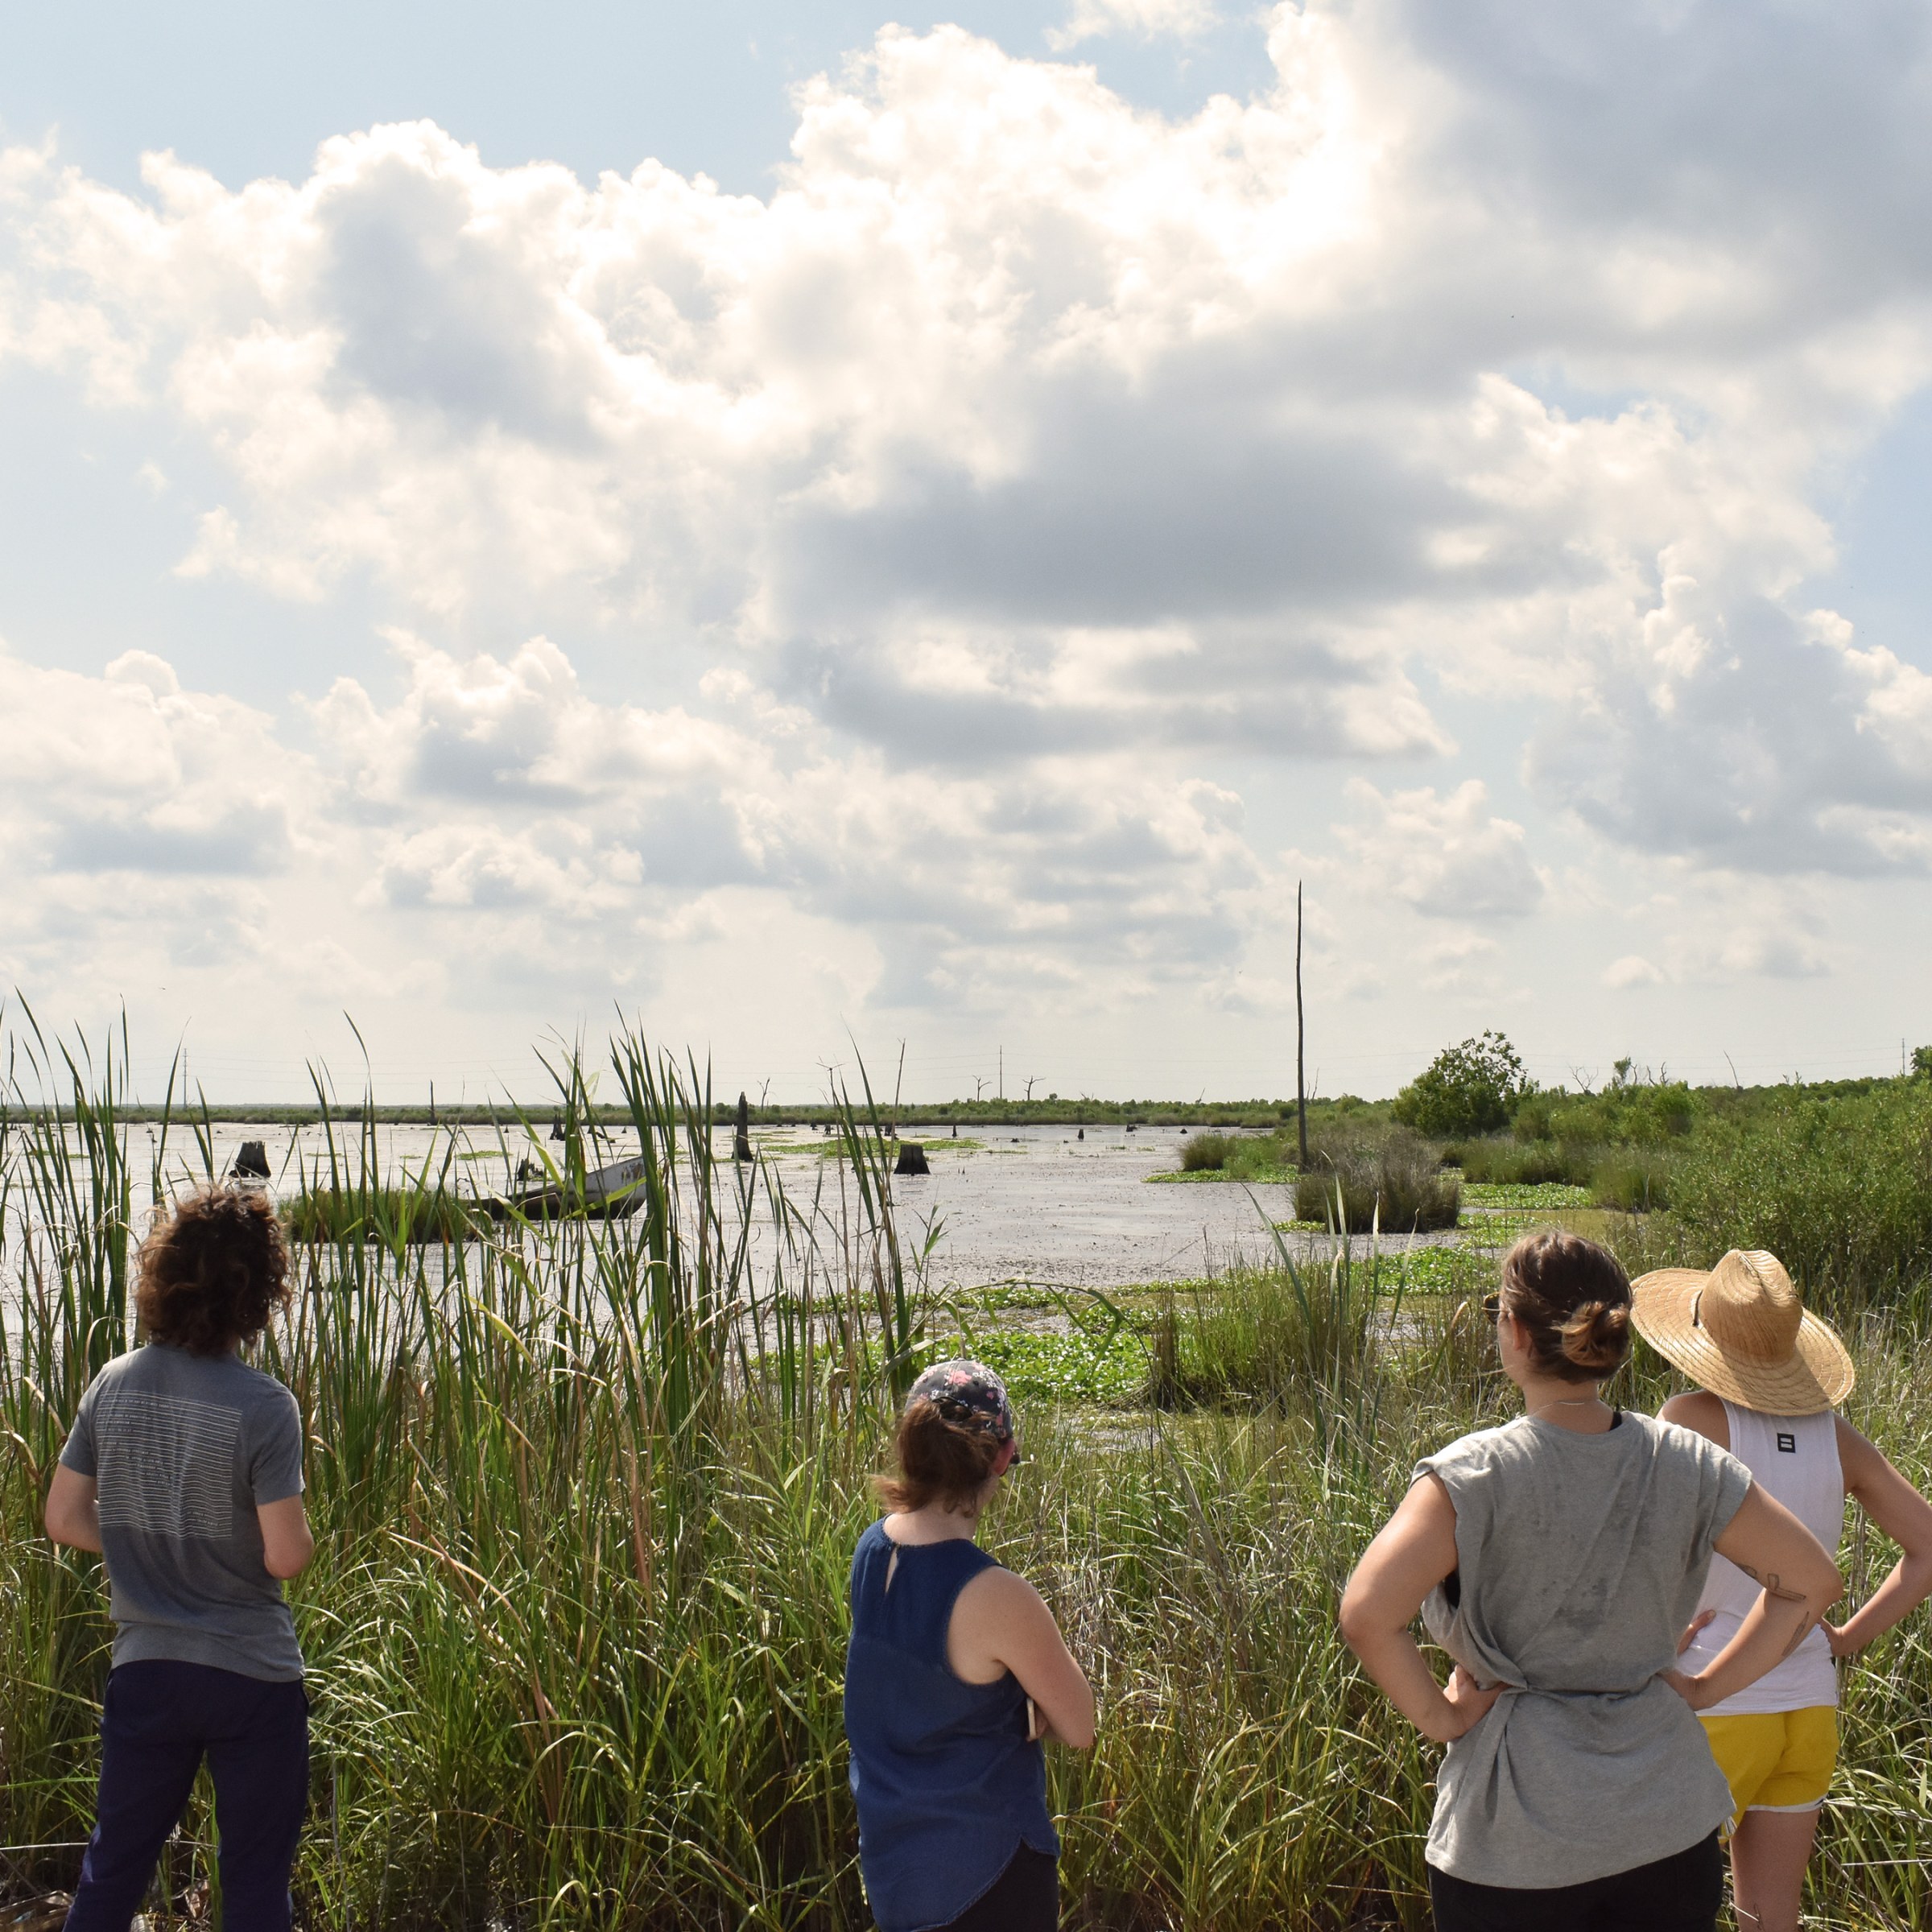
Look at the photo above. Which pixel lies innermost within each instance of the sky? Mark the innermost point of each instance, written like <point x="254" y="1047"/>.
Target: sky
<point x="825" y="534"/>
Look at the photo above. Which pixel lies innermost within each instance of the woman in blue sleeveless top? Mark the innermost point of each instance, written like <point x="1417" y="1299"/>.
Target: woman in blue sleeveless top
<point x="956" y="1674"/>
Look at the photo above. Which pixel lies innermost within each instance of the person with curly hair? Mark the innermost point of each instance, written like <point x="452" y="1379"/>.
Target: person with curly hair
<point x="183" y="1470"/>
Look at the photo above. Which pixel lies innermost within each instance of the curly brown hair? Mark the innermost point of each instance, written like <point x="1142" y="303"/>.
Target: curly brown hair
<point x="213" y="1269"/>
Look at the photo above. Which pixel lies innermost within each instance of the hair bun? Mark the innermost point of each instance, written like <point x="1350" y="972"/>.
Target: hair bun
<point x="1597" y="1335"/>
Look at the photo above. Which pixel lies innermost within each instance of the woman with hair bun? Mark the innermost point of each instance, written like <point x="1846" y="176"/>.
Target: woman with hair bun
<point x="1558" y="1559"/>
<point x="956" y="1673"/>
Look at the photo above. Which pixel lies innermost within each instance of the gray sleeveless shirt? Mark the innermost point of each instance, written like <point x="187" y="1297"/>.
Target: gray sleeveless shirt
<point x="1581" y="1558"/>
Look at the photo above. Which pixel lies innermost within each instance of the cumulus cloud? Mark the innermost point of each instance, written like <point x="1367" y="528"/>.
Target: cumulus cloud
<point x="491" y="783"/>
<point x="1029" y="471"/>
<point x="128" y="772"/>
<point x="1632" y="969"/>
<point x="1142" y="19"/>
<point x="1449" y="857"/>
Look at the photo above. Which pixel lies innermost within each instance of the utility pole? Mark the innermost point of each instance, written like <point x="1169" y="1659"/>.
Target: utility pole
<point x="1301" y="1089"/>
<point x="1002" y="1073"/>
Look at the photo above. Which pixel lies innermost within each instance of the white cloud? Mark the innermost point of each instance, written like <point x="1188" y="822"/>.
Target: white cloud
<point x="1464" y="962"/>
<point x="1633" y="969"/>
<point x="977" y="523"/>
<point x="1140" y="19"/>
<point x="1449" y="857"/>
<point x="127" y="773"/>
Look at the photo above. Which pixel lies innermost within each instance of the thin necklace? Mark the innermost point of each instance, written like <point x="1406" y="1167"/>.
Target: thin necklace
<point x="1569" y="1401"/>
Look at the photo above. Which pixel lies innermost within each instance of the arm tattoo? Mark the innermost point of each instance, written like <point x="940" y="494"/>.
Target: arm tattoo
<point x="1771" y="1586"/>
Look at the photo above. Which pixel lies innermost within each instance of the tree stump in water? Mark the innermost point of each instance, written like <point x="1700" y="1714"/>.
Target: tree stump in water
<point x="912" y="1158"/>
<point x="251" y="1163"/>
<point x="741" y="1134"/>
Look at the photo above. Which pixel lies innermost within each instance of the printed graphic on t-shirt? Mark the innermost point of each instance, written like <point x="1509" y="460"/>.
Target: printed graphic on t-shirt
<point x="1787" y="1442"/>
<point x="166" y="1465"/>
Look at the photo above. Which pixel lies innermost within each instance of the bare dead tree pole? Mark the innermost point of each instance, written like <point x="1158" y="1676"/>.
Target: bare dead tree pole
<point x="1300" y="1042"/>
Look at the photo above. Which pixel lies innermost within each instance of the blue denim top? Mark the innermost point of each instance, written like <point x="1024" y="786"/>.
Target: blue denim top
<point x="948" y="1787"/>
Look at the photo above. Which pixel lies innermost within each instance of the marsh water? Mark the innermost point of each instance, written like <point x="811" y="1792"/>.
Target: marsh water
<point x="1030" y="1202"/>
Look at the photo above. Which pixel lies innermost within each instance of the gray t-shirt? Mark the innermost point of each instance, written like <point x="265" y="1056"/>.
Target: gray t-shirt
<point x="182" y="1449"/>
<point x="1581" y="1558"/>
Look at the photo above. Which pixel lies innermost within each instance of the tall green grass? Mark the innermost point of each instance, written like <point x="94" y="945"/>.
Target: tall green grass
<point x="585" y="1493"/>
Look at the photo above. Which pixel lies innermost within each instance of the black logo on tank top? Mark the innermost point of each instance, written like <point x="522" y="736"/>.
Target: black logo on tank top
<point x="1788" y="1443"/>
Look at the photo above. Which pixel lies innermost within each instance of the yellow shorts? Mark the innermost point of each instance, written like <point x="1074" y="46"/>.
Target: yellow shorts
<point x="1776" y="1760"/>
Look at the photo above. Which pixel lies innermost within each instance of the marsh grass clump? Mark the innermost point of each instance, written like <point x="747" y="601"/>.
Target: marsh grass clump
<point x="1207" y="1153"/>
<point x="1395" y="1184"/>
<point x="1633" y="1181"/>
<point x="1266" y="1333"/>
<point x="434" y="1216"/>
<point x="1263" y="1157"/>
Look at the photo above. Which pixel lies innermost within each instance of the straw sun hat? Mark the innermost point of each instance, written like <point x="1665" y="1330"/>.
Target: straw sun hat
<point x="1742" y="1332"/>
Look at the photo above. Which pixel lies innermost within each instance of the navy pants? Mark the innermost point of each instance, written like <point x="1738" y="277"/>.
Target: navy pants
<point x="157" y="1721"/>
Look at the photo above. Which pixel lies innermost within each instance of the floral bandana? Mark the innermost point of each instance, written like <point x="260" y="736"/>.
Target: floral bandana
<point x="970" y="1392"/>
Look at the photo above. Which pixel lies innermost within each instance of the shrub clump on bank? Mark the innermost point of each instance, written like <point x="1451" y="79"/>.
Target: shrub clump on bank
<point x="1239" y="1157"/>
<point x="1207" y="1153"/>
<point x="1396" y="1185"/>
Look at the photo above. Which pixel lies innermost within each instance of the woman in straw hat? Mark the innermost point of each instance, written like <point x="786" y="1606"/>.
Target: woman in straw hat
<point x="1558" y="1559"/>
<point x="1770" y="1375"/>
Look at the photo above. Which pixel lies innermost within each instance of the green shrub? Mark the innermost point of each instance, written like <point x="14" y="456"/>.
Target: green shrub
<point x="1628" y="1113"/>
<point x="1397" y="1186"/>
<point x="1534" y="1106"/>
<point x="1635" y="1182"/>
<point x="1471" y="1089"/>
<point x="1527" y="1164"/>
<point x="1206" y="1151"/>
<point x="1839" y="1189"/>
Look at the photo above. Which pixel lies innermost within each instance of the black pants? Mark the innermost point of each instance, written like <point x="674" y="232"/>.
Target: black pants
<point x="1680" y="1893"/>
<point x="1025" y="1897"/>
<point x="157" y="1721"/>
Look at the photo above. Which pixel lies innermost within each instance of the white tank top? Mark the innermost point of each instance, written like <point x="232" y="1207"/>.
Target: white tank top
<point x="1796" y="1459"/>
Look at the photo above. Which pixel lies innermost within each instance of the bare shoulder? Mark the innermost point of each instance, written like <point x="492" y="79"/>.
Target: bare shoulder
<point x="996" y="1592"/>
<point x="1700" y="1411"/>
<point x="1858" y="1455"/>
<point x="999" y="1619"/>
